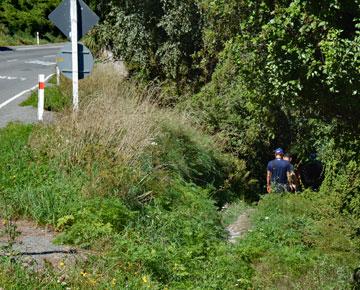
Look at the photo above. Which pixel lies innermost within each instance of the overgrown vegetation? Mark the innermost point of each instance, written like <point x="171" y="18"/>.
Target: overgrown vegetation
<point x="137" y="179"/>
<point x="21" y="20"/>
<point x="139" y="186"/>
<point x="56" y="100"/>
<point x="261" y="74"/>
<point x="303" y="243"/>
<point x="137" y="172"/>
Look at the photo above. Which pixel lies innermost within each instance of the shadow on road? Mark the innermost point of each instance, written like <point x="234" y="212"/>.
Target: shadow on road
<point x="4" y="48"/>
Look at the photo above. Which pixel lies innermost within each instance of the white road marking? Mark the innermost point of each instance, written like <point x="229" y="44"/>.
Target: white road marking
<point x="12" y="78"/>
<point x="46" y="63"/>
<point x="12" y="60"/>
<point x="23" y="92"/>
<point x="35" y="48"/>
<point x="49" y="56"/>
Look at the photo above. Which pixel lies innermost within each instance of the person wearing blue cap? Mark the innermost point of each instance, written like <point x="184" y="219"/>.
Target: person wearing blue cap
<point x="278" y="173"/>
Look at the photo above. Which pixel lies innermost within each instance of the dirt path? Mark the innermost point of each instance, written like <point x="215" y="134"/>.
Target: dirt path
<point x="240" y="227"/>
<point x="34" y="247"/>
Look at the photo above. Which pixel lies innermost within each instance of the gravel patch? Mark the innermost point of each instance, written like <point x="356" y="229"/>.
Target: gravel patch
<point x="240" y="227"/>
<point x="35" y="249"/>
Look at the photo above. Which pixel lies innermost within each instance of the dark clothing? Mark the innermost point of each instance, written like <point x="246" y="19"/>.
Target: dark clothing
<point x="312" y="174"/>
<point x="279" y="169"/>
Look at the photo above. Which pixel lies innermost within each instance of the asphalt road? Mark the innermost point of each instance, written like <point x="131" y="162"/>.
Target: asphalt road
<point x="19" y="70"/>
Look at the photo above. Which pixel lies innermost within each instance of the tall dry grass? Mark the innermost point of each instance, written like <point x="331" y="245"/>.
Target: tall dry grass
<point x="116" y="117"/>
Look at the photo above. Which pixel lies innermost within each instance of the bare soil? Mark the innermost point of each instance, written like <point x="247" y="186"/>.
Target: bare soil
<point x="34" y="247"/>
<point x="240" y="227"/>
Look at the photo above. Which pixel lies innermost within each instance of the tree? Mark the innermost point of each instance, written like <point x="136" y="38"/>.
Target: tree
<point x="291" y="79"/>
<point x="155" y="37"/>
<point x="27" y="16"/>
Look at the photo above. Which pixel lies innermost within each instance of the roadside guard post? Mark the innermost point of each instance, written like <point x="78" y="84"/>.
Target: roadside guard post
<point x="74" y="18"/>
<point x="41" y="97"/>
<point x="57" y="76"/>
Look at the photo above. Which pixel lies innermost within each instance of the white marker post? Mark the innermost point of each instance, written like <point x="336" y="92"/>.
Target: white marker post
<point x="75" y="65"/>
<point x="37" y="38"/>
<point x="57" y="76"/>
<point x="41" y="96"/>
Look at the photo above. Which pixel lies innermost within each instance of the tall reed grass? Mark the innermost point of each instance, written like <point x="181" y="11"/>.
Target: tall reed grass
<point x="116" y="117"/>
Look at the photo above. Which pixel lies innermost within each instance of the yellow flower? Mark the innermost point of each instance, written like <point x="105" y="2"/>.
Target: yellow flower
<point x="61" y="264"/>
<point x="113" y="282"/>
<point x="145" y="279"/>
<point x="4" y="222"/>
<point x="84" y="274"/>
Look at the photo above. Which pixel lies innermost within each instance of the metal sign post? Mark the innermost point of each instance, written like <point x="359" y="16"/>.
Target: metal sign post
<point x="74" y="18"/>
<point x="74" y="48"/>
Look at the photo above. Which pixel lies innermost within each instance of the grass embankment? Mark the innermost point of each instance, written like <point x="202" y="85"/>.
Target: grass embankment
<point x="25" y="39"/>
<point x="137" y="185"/>
<point x="56" y="98"/>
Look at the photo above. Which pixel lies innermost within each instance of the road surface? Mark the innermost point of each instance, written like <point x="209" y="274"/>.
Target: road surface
<point x="19" y="70"/>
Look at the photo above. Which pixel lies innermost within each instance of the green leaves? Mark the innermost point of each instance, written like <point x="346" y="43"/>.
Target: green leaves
<point x="155" y="38"/>
<point x="287" y="76"/>
<point x="27" y="16"/>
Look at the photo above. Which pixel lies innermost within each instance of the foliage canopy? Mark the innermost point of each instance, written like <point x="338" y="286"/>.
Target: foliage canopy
<point x="27" y="16"/>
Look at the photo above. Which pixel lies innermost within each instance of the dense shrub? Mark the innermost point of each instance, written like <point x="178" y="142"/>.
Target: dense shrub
<point x="155" y="38"/>
<point x="285" y="84"/>
<point x="282" y="73"/>
<point x="27" y="16"/>
<point x="342" y="180"/>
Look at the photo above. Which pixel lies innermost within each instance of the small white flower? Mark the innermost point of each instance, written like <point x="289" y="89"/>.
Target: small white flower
<point x="266" y="217"/>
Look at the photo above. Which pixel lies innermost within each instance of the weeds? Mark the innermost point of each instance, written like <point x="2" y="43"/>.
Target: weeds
<point x="291" y="234"/>
<point x="141" y="186"/>
<point x="54" y="101"/>
<point x="22" y="38"/>
<point x="10" y="232"/>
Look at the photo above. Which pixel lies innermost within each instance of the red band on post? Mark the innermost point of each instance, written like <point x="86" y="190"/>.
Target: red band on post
<point x="41" y="86"/>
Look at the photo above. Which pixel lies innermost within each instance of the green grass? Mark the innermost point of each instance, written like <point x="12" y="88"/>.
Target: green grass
<point x="151" y="222"/>
<point x="302" y="243"/>
<point x="43" y="191"/>
<point x="163" y="242"/>
<point x="25" y="39"/>
<point x="175" y="241"/>
<point x="55" y="100"/>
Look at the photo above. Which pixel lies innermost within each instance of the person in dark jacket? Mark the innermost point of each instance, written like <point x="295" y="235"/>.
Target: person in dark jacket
<point x="278" y="173"/>
<point x="311" y="173"/>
